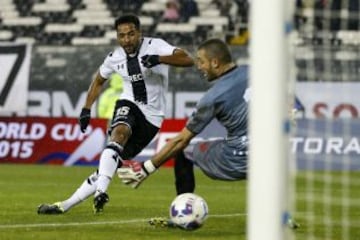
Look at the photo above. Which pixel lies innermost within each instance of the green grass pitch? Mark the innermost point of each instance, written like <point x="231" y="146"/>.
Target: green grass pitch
<point x="24" y="187"/>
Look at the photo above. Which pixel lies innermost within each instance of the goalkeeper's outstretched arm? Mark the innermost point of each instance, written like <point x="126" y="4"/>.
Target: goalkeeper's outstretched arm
<point x="133" y="173"/>
<point x="172" y="147"/>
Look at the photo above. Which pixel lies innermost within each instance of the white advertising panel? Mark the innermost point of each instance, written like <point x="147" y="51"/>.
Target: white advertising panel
<point x="330" y="100"/>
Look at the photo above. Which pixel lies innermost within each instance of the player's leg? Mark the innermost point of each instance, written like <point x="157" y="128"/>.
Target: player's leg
<point x="142" y="134"/>
<point x="194" y="154"/>
<point x="219" y="161"/>
<point x="86" y="189"/>
<point x="110" y="159"/>
<point x="184" y="174"/>
<point x="184" y="182"/>
<point x="130" y="129"/>
<point x="184" y="164"/>
<point x="98" y="182"/>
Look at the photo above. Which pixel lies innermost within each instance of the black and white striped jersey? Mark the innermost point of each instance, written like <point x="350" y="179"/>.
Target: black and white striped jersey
<point x="146" y="87"/>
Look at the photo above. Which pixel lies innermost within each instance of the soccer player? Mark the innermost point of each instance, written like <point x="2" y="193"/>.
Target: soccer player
<point x="227" y="101"/>
<point x="143" y="63"/>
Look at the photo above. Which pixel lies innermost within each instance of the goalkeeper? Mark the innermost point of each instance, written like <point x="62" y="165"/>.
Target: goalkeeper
<point x="226" y="101"/>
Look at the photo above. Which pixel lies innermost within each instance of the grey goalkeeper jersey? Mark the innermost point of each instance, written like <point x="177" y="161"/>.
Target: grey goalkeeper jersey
<point x="227" y="101"/>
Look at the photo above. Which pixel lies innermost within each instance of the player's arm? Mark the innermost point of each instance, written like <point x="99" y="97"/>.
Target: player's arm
<point x="172" y="147"/>
<point x="179" y="58"/>
<point x="92" y="94"/>
<point x="133" y="173"/>
<point x="94" y="90"/>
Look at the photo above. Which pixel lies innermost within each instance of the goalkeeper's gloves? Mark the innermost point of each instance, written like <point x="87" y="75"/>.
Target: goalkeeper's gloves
<point x="150" y="61"/>
<point x="133" y="173"/>
<point x="84" y="119"/>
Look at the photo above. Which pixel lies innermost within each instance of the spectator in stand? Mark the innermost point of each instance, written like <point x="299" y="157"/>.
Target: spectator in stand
<point x="189" y="8"/>
<point x="171" y="12"/>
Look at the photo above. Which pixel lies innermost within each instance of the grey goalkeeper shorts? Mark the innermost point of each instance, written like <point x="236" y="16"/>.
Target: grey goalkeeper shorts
<point x="218" y="160"/>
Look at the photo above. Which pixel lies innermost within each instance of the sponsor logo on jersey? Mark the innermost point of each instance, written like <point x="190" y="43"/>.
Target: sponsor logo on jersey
<point x="136" y="77"/>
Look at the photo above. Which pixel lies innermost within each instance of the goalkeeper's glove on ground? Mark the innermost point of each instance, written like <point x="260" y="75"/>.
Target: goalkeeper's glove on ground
<point x="133" y="173"/>
<point x="150" y="61"/>
<point x="84" y="119"/>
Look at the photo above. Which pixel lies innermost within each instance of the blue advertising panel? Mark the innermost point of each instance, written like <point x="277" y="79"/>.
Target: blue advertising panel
<point x="331" y="144"/>
<point x="327" y="144"/>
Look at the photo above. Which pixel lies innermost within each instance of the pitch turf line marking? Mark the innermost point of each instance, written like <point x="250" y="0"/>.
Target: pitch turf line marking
<point x="227" y="215"/>
<point x="36" y="225"/>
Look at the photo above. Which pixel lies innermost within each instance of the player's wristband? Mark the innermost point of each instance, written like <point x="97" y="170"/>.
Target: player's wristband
<point x="149" y="167"/>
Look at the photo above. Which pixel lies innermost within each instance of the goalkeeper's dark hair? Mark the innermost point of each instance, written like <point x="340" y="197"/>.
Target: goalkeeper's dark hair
<point x="216" y="48"/>
<point x="128" y="18"/>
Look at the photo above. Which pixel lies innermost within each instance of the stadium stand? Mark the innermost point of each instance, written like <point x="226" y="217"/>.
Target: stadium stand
<point x="328" y="41"/>
<point x="90" y="22"/>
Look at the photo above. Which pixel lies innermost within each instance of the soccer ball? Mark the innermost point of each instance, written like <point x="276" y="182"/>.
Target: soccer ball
<point x="188" y="211"/>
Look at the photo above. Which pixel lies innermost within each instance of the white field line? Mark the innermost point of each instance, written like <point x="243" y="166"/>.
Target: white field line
<point x="37" y="225"/>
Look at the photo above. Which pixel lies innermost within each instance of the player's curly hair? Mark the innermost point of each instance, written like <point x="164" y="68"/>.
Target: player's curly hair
<point x="128" y="18"/>
<point x="216" y="48"/>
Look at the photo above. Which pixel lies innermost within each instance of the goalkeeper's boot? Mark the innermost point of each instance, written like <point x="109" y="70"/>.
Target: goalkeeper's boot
<point x="54" y="208"/>
<point x="100" y="201"/>
<point x="162" y="222"/>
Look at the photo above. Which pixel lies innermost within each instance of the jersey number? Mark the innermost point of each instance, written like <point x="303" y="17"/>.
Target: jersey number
<point x="123" y="111"/>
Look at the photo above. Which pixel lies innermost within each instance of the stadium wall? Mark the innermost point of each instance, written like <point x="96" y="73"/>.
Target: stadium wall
<point x="57" y="86"/>
<point x="60" y="141"/>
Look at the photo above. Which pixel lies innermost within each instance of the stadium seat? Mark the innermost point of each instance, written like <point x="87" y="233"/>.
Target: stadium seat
<point x="51" y="7"/>
<point x="172" y="27"/>
<point x="22" y="21"/>
<point x="218" y="23"/>
<point x="90" y="41"/>
<point x="46" y="21"/>
<point x="349" y="37"/>
<point x="211" y="12"/>
<point x="55" y="27"/>
<point x="6" y="35"/>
